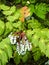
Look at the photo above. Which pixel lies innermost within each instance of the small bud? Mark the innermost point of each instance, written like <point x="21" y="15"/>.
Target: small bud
<point x="28" y="2"/>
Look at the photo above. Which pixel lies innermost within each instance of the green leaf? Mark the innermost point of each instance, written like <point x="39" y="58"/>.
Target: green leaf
<point x="5" y="45"/>
<point x="35" y="40"/>
<point x="48" y="9"/>
<point x="13" y="9"/>
<point x="37" y="55"/>
<point x="6" y="40"/>
<point x="32" y="1"/>
<point x="0" y="62"/>
<point x="7" y="48"/>
<point x="3" y="57"/>
<point x="25" y="58"/>
<point x="2" y="25"/>
<point x="9" y="28"/>
<point x="29" y="34"/>
<point x="24" y="2"/>
<point x="7" y="12"/>
<point x="17" y="58"/>
<point x="47" y="51"/>
<point x="33" y="24"/>
<point x="17" y="14"/>
<point x="9" y="51"/>
<point x="17" y="25"/>
<point x="34" y="49"/>
<point x="31" y="7"/>
<point x="42" y="45"/>
<point x="0" y="38"/>
<point x="4" y="7"/>
<point x="39" y="14"/>
<point x="40" y="10"/>
<point x="10" y="11"/>
<point x="13" y="17"/>
<point x="17" y="1"/>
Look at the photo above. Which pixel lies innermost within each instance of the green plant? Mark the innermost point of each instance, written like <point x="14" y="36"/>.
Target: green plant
<point x="36" y="33"/>
<point x="5" y="51"/>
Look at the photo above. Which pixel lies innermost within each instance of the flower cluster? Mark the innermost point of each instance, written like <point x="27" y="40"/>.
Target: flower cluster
<point x="22" y="43"/>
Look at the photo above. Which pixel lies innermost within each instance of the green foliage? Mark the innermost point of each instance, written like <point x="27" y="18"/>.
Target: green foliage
<point x="10" y="11"/>
<point x="47" y="53"/>
<point x="4" y="7"/>
<point x="25" y="57"/>
<point x="48" y="7"/>
<point x="31" y="7"/>
<point x="17" y="25"/>
<point x="40" y="39"/>
<point x="3" y="58"/>
<point x="5" y="51"/>
<point x="32" y="1"/>
<point x="41" y="10"/>
<point x="36" y="33"/>
<point x="32" y="24"/>
<point x="37" y="55"/>
<point x="0" y="38"/>
<point x="17" y="58"/>
<point x="2" y="26"/>
<point x="13" y="17"/>
<point x="8" y="29"/>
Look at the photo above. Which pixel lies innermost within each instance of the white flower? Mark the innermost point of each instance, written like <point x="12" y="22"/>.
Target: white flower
<point x="22" y="52"/>
<point x="12" y="39"/>
<point x="22" y="47"/>
<point x="28" y="2"/>
<point x="15" y="40"/>
<point x="28" y="46"/>
<point x="17" y="48"/>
